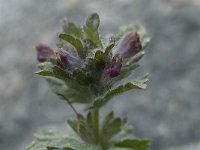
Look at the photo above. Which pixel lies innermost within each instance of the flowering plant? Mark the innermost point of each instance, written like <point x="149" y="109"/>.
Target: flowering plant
<point x="87" y="70"/>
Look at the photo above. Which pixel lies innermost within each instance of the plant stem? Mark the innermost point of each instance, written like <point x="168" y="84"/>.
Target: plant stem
<point x="95" y="114"/>
<point x="70" y="104"/>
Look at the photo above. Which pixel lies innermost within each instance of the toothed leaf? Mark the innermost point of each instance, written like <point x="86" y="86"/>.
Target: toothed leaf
<point x="49" y="70"/>
<point x="141" y="84"/>
<point x="58" y="141"/>
<point x="134" y="144"/>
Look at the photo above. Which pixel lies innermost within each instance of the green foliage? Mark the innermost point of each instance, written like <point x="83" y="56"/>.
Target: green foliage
<point x="111" y="126"/>
<point x="108" y="50"/>
<point x="71" y="29"/>
<point x="134" y="144"/>
<point x="140" y="84"/>
<point x="65" y="84"/>
<point x="52" y="140"/>
<point x="87" y="81"/>
<point x="91" y="30"/>
<point x="60" y="88"/>
<point x="83" y="127"/>
<point x="55" y="148"/>
<point x="82" y="51"/>
<point x="50" y="70"/>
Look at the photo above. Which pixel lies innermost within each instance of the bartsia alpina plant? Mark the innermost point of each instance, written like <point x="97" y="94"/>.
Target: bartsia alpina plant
<point x="86" y="69"/>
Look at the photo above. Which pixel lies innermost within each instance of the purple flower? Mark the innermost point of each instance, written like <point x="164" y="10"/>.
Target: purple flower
<point x="129" y="45"/>
<point x="44" y="52"/>
<point x="113" y="68"/>
<point x="65" y="60"/>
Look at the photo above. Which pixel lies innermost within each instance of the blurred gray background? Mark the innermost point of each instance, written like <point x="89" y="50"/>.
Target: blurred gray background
<point x="168" y="111"/>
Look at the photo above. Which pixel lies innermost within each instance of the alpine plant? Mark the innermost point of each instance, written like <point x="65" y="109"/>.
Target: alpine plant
<point x="86" y="69"/>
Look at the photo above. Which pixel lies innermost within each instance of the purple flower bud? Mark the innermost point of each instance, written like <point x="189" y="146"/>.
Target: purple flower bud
<point x="129" y="45"/>
<point x="66" y="60"/>
<point x="44" y="52"/>
<point x="113" y="68"/>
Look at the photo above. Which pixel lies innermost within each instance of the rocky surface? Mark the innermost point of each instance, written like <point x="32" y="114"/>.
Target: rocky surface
<point x="168" y="111"/>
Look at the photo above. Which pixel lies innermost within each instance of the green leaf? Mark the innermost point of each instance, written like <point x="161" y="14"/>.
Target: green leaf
<point x="108" y="50"/>
<point x="64" y="84"/>
<point x="135" y="58"/>
<point x="74" y="125"/>
<point x="55" y="148"/>
<point x="82" y="51"/>
<point x="68" y="94"/>
<point x="67" y="148"/>
<point x="90" y="45"/>
<point x="100" y="60"/>
<point x="82" y="77"/>
<point x="125" y="133"/>
<point x="107" y="119"/>
<point x="93" y="21"/>
<point x="91" y="29"/>
<point x="82" y="127"/>
<point x="126" y="71"/>
<point x="134" y="144"/>
<point x="83" y="132"/>
<point x="45" y="66"/>
<point x="54" y="71"/>
<point x="52" y="139"/>
<point x="97" y="63"/>
<point x="72" y="29"/>
<point x="141" y="84"/>
<point x="112" y="128"/>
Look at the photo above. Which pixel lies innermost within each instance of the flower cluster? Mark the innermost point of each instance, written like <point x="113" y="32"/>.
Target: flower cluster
<point x="129" y="46"/>
<point x="88" y="65"/>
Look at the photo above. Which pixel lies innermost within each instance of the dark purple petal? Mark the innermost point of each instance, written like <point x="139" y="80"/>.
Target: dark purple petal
<point x="129" y="45"/>
<point x="44" y="52"/>
<point x="113" y="68"/>
<point x="66" y="60"/>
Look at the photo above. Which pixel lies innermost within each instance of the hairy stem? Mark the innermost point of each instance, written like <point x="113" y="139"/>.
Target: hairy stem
<point x="95" y="115"/>
<point x="70" y="104"/>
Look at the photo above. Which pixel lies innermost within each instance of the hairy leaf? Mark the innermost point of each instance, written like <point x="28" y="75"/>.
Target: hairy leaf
<point x="125" y="133"/>
<point x="59" y="81"/>
<point x="55" y="148"/>
<point x="74" y="125"/>
<point x="93" y="21"/>
<point x="83" y="78"/>
<point x="108" y="50"/>
<point x="134" y="144"/>
<point x="141" y="84"/>
<point x="72" y="29"/>
<point x="49" y="70"/>
<point x="91" y="29"/>
<point x="64" y="92"/>
<point x="51" y="139"/>
<point x="107" y="119"/>
<point x="82" y="51"/>
<point x="111" y="129"/>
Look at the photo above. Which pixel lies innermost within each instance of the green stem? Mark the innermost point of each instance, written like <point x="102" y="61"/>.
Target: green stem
<point x="95" y="114"/>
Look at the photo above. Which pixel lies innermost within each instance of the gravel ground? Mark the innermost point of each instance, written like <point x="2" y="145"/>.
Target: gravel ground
<point x="167" y="111"/>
